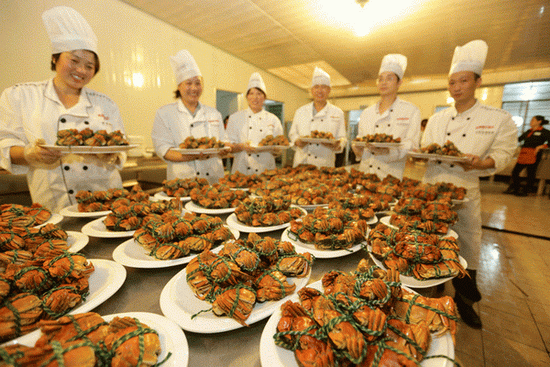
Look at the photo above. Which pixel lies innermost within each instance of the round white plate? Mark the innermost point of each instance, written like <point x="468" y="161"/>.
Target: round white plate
<point x="310" y="140"/>
<point x="192" y="207"/>
<point x="161" y="195"/>
<point x="178" y="303"/>
<point x="377" y="144"/>
<point x="72" y="211"/>
<point x="233" y="222"/>
<point x="312" y="207"/>
<point x="439" y="157"/>
<point x="199" y="151"/>
<point x="264" y="148"/>
<point x="386" y="221"/>
<point x="321" y="254"/>
<point x="97" y="228"/>
<point x="172" y="339"/>
<point x="274" y="356"/>
<point x="89" y="149"/>
<point x="76" y="241"/>
<point x="458" y="202"/>
<point x="133" y="255"/>
<point x="240" y="188"/>
<point x="54" y="219"/>
<point x="412" y="281"/>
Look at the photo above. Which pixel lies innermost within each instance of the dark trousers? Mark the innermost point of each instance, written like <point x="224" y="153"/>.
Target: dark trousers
<point x="531" y="175"/>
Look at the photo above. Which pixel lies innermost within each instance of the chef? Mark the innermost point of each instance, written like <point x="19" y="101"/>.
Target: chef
<point x="488" y="137"/>
<point x="187" y="117"/>
<point x="322" y="116"/>
<point x="31" y="114"/>
<point x="392" y="116"/>
<point x="245" y="130"/>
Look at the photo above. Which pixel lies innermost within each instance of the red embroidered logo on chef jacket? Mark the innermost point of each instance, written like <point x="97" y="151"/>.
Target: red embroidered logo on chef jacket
<point x="402" y="118"/>
<point x="213" y="120"/>
<point x="102" y="115"/>
<point x="485" y="129"/>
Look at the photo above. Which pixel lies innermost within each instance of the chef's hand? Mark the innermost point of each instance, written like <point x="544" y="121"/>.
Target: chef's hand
<point x="379" y="151"/>
<point x="333" y="146"/>
<point x="35" y="155"/>
<point x="108" y="160"/>
<point x="476" y="162"/>
<point x="173" y="156"/>
<point x="358" y="151"/>
<point x="300" y="143"/>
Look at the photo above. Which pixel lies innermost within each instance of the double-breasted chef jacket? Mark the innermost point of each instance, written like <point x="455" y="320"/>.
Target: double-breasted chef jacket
<point x="173" y="123"/>
<point x="483" y="131"/>
<point x="31" y="111"/>
<point x="247" y="126"/>
<point x="402" y="120"/>
<point x="306" y="119"/>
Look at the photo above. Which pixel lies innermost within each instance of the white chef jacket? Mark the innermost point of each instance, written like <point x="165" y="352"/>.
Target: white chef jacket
<point x="402" y="120"/>
<point x="306" y="119"/>
<point x="483" y="131"/>
<point x="173" y="123"/>
<point x="247" y="126"/>
<point x="31" y="111"/>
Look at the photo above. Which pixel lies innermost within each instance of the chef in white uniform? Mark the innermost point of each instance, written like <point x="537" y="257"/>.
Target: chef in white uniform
<point x="245" y="129"/>
<point x="486" y="135"/>
<point x="322" y="116"/>
<point x="392" y="116"/>
<point x="187" y="117"/>
<point x="31" y="114"/>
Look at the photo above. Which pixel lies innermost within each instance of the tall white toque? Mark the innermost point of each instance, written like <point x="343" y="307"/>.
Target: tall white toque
<point x="256" y="81"/>
<point x="470" y="57"/>
<point x="320" y="77"/>
<point x="68" y="30"/>
<point x="394" y="63"/>
<point x="184" y="66"/>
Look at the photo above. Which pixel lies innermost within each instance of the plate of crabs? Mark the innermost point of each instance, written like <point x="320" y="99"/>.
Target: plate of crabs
<point x="179" y="303"/>
<point x="161" y="195"/>
<point x="386" y="220"/>
<point x="96" y="228"/>
<point x="54" y="219"/>
<point x="319" y="253"/>
<point x="233" y="222"/>
<point x="275" y="356"/>
<point x="133" y="255"/>
<point x="90" y="149"/>
<point x="73" y="212"/>
<point x="192" y="207"/>
<point x="174" y="349"/>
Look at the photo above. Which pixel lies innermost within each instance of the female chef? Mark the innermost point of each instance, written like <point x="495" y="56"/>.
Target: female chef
<point x="31" y="114"/>
<point x="322" y="116"/>
<point x="187" y="117"/>
<point x="486" y="135"/>
<point x="392" y="116"/>
<point x="247" y="128"/>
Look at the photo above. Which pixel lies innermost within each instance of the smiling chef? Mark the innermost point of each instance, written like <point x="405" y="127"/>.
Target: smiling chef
<point x="486" y="135"/>
<point x="31" y="114"/>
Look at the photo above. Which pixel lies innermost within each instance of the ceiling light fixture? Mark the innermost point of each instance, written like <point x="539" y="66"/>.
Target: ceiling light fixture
<point x="362" y="2"/>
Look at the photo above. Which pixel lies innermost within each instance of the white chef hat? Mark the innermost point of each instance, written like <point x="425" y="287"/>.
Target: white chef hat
<point x="68" y="30"/>
<point x="320" y="77"/>
<point x="256" y="81"/>
<point x="184" y="66"/>
<point x="394" y="63"/>
<point x="470" y="57"/>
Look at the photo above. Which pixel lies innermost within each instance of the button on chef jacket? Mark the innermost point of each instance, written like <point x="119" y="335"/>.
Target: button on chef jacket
<point x="248" y="126"/>
<point x="173" y="123"/>
<point x="483" y="131"/>
<point x="306" y="119"/>
<point x="402" y="120"/>
<point x="32" y="111"/>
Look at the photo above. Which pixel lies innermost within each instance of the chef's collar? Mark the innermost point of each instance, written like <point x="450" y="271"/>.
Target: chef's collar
<point x="388" y="110"/>
<point x="183" y="108"/>
<point x="322" y="112"/>
<point x="469" y="111"/>
<point x="251" y="113"/>
<point x="80" y="109"/>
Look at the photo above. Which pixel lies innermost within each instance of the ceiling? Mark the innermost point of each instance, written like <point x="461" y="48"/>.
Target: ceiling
<point x="288" y="38"/>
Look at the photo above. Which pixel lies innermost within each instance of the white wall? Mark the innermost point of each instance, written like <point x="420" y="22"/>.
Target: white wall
<point x="130" y="43"/>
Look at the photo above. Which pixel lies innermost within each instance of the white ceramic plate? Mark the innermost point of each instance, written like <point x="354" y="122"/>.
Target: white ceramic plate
<point x="317" y="140"/>
<point x="439" y="157"/>
<point x="97" y="228"/>
<point x="133" y="255"/>
<point x="72" y="211"/>
<point x="386" y="221"/>
<point x="88" y="149"/>
<point x="274" y="356"/>
<point x="178" y="303"/>
<point x="312" y="207"/>
<point x="76" y="241"/>
<point x="233" y="222"/>
<point x="192" y="207"/>
<point x="163" y="196"/>
<point x="54" y="219"/>
<point x="321" y="254"/>
<point x="172" y="338"/>
<point x="270" y="147"/>
<point x="458" y="202"/>
<point x="377" y="144"/>
<point x="199" y="151"/>
<point x="412" y="281"/>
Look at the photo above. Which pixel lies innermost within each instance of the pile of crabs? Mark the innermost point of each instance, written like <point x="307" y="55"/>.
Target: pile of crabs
<point x="40" y="279"/>
<point x="364" y="318"/>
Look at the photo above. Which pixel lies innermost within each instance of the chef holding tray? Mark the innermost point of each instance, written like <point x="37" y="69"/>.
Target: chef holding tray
<point x="187" y="117"/>
<point x="391" y="116"/>
<point x="31" y="114"/>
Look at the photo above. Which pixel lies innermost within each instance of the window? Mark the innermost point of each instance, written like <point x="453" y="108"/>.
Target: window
<point x="525" y="100"/>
